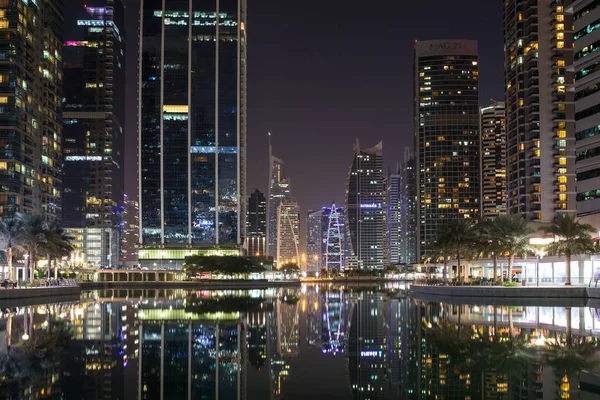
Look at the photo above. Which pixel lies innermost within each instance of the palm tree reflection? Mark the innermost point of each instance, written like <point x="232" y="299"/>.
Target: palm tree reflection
<point x="505" y="353"/>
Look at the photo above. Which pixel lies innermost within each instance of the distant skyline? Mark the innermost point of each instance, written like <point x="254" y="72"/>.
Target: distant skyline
<point x="318" y="80"/>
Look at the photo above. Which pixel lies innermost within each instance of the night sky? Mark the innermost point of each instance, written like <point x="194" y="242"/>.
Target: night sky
<point x="323" y="72"/>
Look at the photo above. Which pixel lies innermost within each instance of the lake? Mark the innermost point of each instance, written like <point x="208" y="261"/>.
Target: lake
<point x="311" y="342"/>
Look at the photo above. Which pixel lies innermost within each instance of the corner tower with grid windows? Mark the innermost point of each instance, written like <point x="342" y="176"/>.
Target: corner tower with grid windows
<point x="540" y="112"/>
<point x="446" y="132"/>
<point x="493" y="160"/>
<point x="31" y="81"/>
<point x="192" y="129"/>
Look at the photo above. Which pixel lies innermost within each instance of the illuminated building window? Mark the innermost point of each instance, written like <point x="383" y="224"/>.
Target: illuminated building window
<point x="560" y="63"/>
<point x="562" y="188"/>
<point x="562" y="179"/>
<point x="562" y="161"/>
<point x="181" y="109"/>
<point x="3" y="99"/>
<point x="561" y="134"/>
<point x="562" y="197"/>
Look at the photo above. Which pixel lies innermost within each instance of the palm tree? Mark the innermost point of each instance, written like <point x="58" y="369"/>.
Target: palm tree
<point x="443" y="251"/>
<point x="510" y="235"/>
<point x="459" y="236"/>
<point x="57" y="244"/>
<point x="572" y="237"/>
<point x="9" y="236"/>
<point x="488" y="244"/>
<point x="33" y="234"/>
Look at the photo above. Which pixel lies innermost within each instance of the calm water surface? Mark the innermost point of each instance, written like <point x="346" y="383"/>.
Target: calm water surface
<point x="315" y="342"/>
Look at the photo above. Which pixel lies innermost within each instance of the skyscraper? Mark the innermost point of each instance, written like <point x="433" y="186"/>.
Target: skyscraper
<point x="334" y="251"/>
<point x="288" y="232"/>
<point x="446" y="123"/>
<point x="192" y="138"/>
<point x="31" y="78"/>
<point x="393" y="218"/>
<point x="326" y="244"/>
<point x="94" y="116"/>
<point x="408" y="210"/>
<point x="365" y="206"/>
<point x="540" y="115"/>
<point x="279" y="189"/>
<point x="256" y="242"/>
<point x="587" y="106"/>
<point x="493" y="160"/>
<point x="131" y="234"/>
<point x="314" y="241"/>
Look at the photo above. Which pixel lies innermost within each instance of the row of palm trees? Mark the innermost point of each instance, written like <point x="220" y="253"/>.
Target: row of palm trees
<point x="33" y="236"/>
<point x="508" y="236"/>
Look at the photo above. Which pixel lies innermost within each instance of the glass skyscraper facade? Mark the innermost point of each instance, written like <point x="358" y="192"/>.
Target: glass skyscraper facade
<point x="408" y="210"/>
<point x="394" y="217"/>
<point x="192" y="138"/>
<point x="446" y="124"/>
<point x="256" y="242"/>
<point x="365" y="207"/>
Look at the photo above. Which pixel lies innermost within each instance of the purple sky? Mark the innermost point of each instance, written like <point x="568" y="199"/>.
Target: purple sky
<point x="321" y="73"/>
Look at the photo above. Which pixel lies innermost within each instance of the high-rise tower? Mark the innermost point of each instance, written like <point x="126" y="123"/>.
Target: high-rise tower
<point x="394" y="217"/>
<point x="586" y="17"/>
<point x="288" y="232"/>
<point x="31" y="78"/>
<point x="279" y="189"/>
<point x="540" y="113"/>
<point x="446" y="124"/>
<point x="192" y="137"/>
<point x="334" y="242"/>
<point x="365" y="206"/>
<point x="256" y="242"/>
<point x="94" y="116"/>
<point x="493" y="160"/>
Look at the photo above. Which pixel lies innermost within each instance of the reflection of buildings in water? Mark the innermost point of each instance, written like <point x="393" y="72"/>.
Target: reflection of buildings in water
<point x="256" y="323"/>
<point x="326" y="321"/>
<point x="191" y="359"/>
<point x="439" y="375"/>
<point x="283" y="338"/>
<point x="288" y="328"/>
<point x="393" y="331"/>
<point x="366" y="347"/>
<point x="95" y="367"/>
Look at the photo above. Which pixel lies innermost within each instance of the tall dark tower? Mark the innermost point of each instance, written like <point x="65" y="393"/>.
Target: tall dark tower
<point x="365" y="207"/>
<point x="192" y="138"/>
<point x="256" y="241"/>
<point x="446" y="124"/>
<point x="94" y="130"/>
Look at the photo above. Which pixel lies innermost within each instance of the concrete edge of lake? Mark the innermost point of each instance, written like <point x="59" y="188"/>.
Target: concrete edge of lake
<point x="499" y="292"/>
<point x="245" y="284"/>
<point x="63" y="293"/>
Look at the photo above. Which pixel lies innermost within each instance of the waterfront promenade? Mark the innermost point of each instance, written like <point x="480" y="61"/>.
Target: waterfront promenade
<point x="520" y="292"/>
